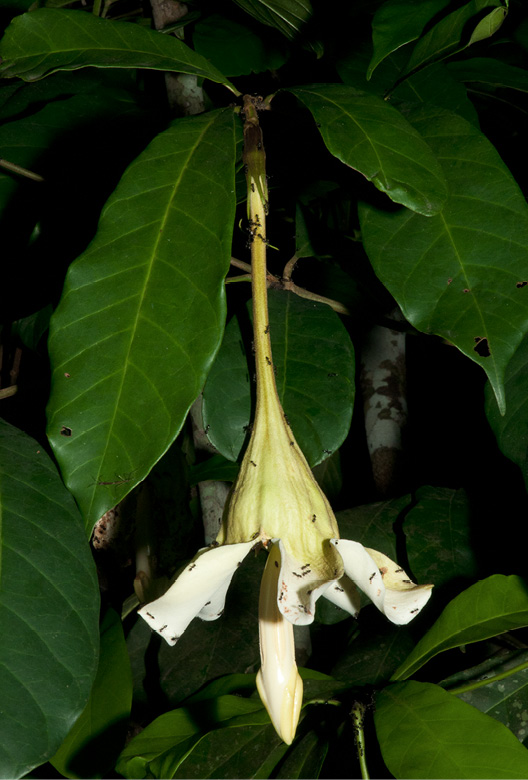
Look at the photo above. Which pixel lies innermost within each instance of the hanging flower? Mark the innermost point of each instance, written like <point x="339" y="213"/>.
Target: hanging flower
<point x="277" y="504"/>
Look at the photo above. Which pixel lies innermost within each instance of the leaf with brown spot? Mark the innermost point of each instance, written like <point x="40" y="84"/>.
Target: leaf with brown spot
<point x="479" y="241"/>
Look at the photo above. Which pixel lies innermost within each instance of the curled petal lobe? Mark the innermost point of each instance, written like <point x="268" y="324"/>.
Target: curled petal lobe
<point x="278" y="681"/>
<point x="383" y="581"/>
<point x="345" y="595"/>
<point x="403" y="597"/>
<point x="298" y="588"/>
<point x="199" y="590"/>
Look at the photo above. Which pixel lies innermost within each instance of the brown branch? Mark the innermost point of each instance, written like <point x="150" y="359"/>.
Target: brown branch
<point x="286" y="284"/>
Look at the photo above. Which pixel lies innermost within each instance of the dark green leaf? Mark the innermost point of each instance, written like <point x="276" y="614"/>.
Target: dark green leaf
<point x="371" y="136"/>
<point x="31" y="329"/>
<point x="505" y="699"/>
<point x="456" y="274"/>
<point x="49" y="607"/>
<point x="457" y="30"/>
<point x="353" y="64"/>
<point x="164" y="745"/>
<point x="45" y="40"/>
<point x="244" y="752"/>
<point x="372" y="524"/>
<point x="288" y="16"/>
<point x="436" y="85"/>
<point x="485" y="70"/>
<point x="142" y="313"/>
<point x="438" y="536"/>
<point x="425" y="732"/>
<point x="240" y="684"/>
<point x="314" y="361"/>
<point x="234" y="48"/>
<point x="398" y="22"/>
<point x="303" y="245"/>
<point x="192" y="742"/>
<point x="488" y="608"/>
<point x="376" y="650"/>
<point x="305" y="757"/>
<point x="215" y="468"/>
<point x="317" y="686"/>
<point x="96" y="739"/>
<point x="511" y="429"/>
<point x="227" y="395"/>
<point x="329" y="477"/>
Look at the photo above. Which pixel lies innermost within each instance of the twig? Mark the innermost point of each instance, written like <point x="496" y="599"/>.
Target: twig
<point x="286" y="284"/>
<point x="14" y="168"/>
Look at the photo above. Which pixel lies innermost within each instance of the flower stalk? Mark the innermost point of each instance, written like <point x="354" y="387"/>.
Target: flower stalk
<point x="277" y="504"/>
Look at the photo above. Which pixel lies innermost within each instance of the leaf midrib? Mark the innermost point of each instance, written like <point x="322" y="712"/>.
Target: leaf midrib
<point x="148" y="273"/>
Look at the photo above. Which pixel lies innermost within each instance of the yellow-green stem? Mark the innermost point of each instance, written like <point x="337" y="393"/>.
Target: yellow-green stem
<point x="358" y="715"/>
<point x="255" y="167"/>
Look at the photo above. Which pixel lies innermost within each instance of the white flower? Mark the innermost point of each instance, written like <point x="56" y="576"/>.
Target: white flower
<point x="289" y="590"/>
<point x="277" y="504"/>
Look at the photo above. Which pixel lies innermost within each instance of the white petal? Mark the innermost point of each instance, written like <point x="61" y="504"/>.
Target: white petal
<point x="199" y="590"/>
<point x="278" y="681"/>
<point x="344" y="594"/>
<point x="383" y="581"/>
<point x="404" y="599"/>
<point x="298" y="589"/>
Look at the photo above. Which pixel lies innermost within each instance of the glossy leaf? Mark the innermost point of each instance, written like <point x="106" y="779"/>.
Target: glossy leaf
<point x="438" y="535"/>
<point x="31" y="329"/>
<point x="455" y="32"/>
<point x="234" y="48"/>
<point x="456" y="274"/>
<point x="423" y="731"/>
<point x="494" y="73"/>
<point x="166" y="743"/>
<point x="214" y="468"/>
<point x="436" y="85"/>
<point x="49" y="607"/>
<point x="305" y="758"/>
<point x="142" y="313"/>
<point x="371" y="136"/>
<point x="227" y="395"/>
<point x="93" y="744"/>
<point x="398" y="22"/>
<point x="244" y="750"/>
<point x="377" y="648"/>
<point x="314" y="361"/>
<point x="511" y="430"/>
<point x="505" y="699"/>
<point x="220" y="734"/>
<point x="372" y="524"/>
<point x="288" y="16"/>
<point x="46" y="40"/>
<point x="486" y="609"/>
